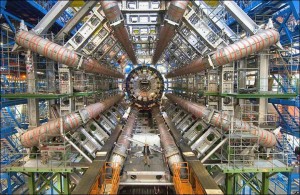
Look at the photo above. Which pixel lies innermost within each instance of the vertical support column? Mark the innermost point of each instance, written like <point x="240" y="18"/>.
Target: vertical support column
<point x="51" y="114"/>
<point x="265" y="183"/>
<point x="33" y="103"/>
<point x="227" y="87"/>
<point x="66" y="87"/>
<point x="66" y="183"/>
<point x="50" y="78"/>
<point x="59" y="182"/>
<point x="187" y="87"/>
<point x="8" y="179"/>
<point x="95" y="90"/>
<point x="242" y="77"/>
<point x="31" y="183"/>
<point x="51" y="186"/>
<point x="212" y="87"/>
<point x="229" y="183"/>
<point x="241" y="84"/>
<point x="263" y="85"/>
<point x="289" y="183"/>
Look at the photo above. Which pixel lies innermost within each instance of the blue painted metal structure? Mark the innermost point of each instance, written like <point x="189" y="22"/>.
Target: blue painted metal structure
<point x="31" y="11"/>
<point x="14" y="182"/>
<point x="276" y="9"/>
<point x="285" y="15"/>
<point x="281" y="11"/>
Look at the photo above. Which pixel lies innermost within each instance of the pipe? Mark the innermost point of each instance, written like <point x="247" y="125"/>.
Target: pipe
<point x="233" y="52"/>
<point x="114" y="16"/>
<point x="223" y="121"/>
<point x="213" y="150"/>
<point x="169" y="146"/>
<point x="70" y="122"/>
<point x="119" y="153"/>
<point x="167" y="32"/>
<point x="72" y="143"/>
<point x="62" y="54"/>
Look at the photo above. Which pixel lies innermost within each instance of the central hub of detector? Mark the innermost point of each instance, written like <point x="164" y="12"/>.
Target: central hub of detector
<point x="144" y="86"/>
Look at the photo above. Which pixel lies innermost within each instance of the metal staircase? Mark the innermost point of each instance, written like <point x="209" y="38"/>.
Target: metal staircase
<point x="6" y="150"/>
<point x="287" y="146"/>
<point x="9" y="117"/>
<point x="288" y="121"/>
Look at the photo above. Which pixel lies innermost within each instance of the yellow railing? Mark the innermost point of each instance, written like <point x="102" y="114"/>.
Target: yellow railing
<point x="108" y="182"/>
<point x="181" y="178"/>
<point x="111" y="178"/>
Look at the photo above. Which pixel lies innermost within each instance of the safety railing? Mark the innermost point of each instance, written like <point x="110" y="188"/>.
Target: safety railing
<point x="111" y="178"/>
<point x="181" y="178"/>
<point x="259" y="161"/>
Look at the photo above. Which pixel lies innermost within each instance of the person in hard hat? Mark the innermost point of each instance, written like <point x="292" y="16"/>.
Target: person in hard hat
<point x="146" y="153"/>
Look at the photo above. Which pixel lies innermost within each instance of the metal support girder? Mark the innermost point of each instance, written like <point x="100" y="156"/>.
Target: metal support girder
<point x="38" y="182"/>
<point x="8" y="15"/>
<point x="229" y="183"/>
<point x="92" y="175"/>
<point x="246" y="183"/>
<point x="62" y="54"/>
<point x="231" y="53"/>
<point x="52" y="15"/>
<point x="70" y="121"/>
<point x="80" y="14"/>
<point x="88" y="29"/>
<point x="264" y="65"/>
<point x="209" y="12"/>
<point x="241" y="17"/>
<point x="214" y="150"/>
<point x="250" y="184"/>
<point x="289" y="183"/>
<point x="33" y="104"/>
<point x="66" y="183"/>
<point x="294" y="6"/>
<point x="9" y="186"/>
<point x="265" y="183"/>
<point x="173" y="16"/>
<point x="207" y="182"/>
<point x="31" y="183"/>
<point x="267" y="139"/>
<point x="200" y="26"/>
<point x="113" y="14"/>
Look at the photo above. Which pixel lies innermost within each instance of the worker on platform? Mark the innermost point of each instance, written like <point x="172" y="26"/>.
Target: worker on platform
<point x="146" y="153"/>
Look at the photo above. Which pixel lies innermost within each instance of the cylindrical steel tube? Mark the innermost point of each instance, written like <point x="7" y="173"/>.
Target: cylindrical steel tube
<point x="233" y="52"/>
<point x="176" y="10"/>
<point x="70" y="122"/>
<point x="175" y="13"/>
<point x="61" y="54"/>
<point x="265" y="138"/>
<point x="111" y="10"/>
<point x="166" y="33"/>
<point x="114" y="15"/>
<point x="119" y="153"/>
<point x="169" y="146"/>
